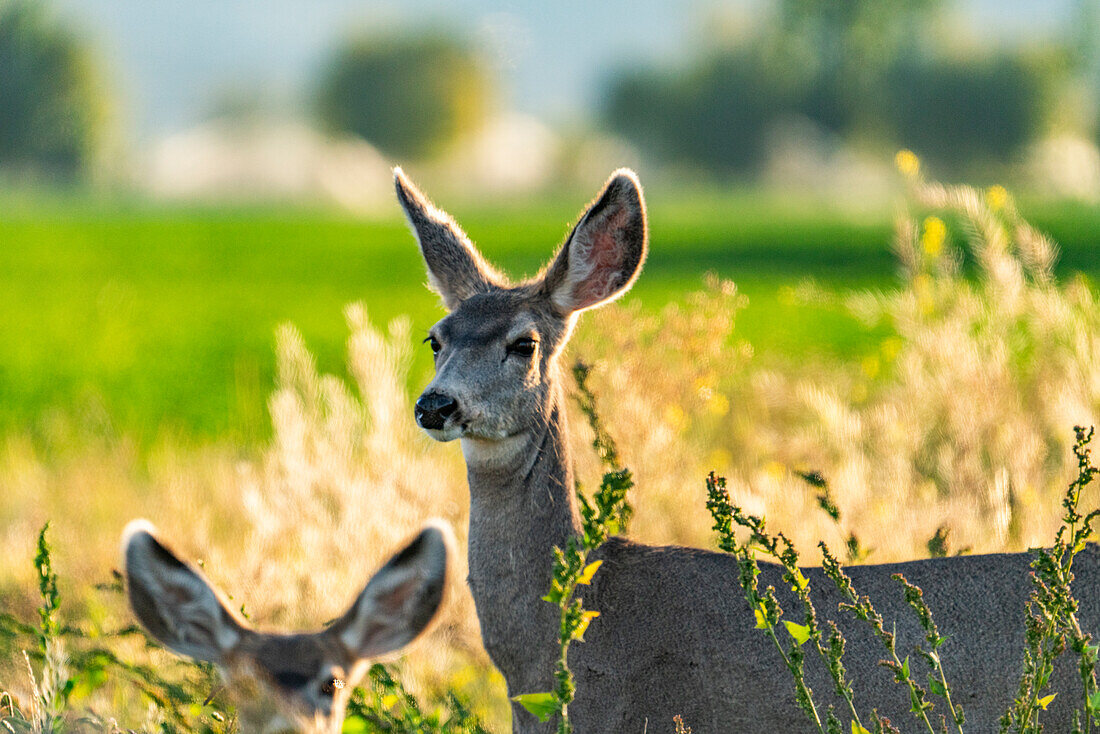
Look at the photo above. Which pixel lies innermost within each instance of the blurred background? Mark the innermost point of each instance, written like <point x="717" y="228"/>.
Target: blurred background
<point x="309" y="100"/>
<point x="162" y="127"/>
<point x="181" y="180"/>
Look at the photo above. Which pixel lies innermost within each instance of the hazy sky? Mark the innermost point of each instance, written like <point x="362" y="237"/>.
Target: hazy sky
<point x="171" y="60"/>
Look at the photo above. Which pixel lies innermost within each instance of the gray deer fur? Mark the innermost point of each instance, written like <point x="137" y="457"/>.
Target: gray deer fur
<point x="675" y="635"/>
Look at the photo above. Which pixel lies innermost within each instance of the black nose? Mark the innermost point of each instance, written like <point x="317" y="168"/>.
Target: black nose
<point x="433" y="409"/>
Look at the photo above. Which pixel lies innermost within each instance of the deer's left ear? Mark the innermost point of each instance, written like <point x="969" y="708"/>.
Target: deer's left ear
<point x="401" y="600"/>
<point x="456" y="270"/>
<point x="605" y="251"/>
<point x="173" y="601"/>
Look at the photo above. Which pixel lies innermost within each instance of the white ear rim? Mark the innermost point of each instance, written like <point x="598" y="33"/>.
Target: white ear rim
<point x="134" y="527"/>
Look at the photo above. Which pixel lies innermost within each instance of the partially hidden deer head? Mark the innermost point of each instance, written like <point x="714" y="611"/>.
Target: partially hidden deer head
<point x="304" y="678"/>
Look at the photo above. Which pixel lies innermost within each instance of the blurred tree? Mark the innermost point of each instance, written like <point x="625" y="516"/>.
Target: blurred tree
<point x="408" y="95"/>
<point x="867" y="71"/>
<point x="958" y="112"/>
<point x="823" y="60"/>
<point x="845" y="50"/>
<point x="716" y="115"/>
<point x="52" y="105"/>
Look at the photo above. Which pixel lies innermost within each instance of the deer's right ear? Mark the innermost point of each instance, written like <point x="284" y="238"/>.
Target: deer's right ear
<point x="401" y="600"/>
<point x="456" y="270"/>
<point x="173" y="601"/>
<point x="605" y="251"/>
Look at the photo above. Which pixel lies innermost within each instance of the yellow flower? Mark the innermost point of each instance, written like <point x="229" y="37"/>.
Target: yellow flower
<point x="997" y="197"/>
<point x="933" y="236"/>
<point x="776" y="470"/>
<point x="890" y="348"/>
<point x="718" y="404"/>
<point x="907" y="162"/>
<point x="871" y="366"/>
<point x="719" y="459"/>
<point x="675" y="417"/>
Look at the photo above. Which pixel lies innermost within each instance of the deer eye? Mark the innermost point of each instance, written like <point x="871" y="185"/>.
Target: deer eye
<point x="331" y="686"/>
<point x="524" y="347"/>
<point x="434" y="344"/>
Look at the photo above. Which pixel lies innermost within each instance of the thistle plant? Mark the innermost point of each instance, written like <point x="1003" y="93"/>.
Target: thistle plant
<point x="767" y="610"/>
<point x="1052" y="612"/>
<point x="828" y="505"/>
<point x="605" y="515"/>
<point x="937" y="679"/>
<point x="862" y="608"/>
<point x="384" y="704"/>
<point x="76" y="662"/>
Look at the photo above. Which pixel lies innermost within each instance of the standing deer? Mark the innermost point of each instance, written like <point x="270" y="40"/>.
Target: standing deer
<point x="675" y="635"/>
<point x="307" y="677"/>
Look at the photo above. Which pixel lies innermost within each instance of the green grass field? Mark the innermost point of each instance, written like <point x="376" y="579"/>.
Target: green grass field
<point x="141" y="321"/>
<point x="139" y="355"/>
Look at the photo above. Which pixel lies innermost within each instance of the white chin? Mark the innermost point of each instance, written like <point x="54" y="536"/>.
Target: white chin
<point x="448" y="433"/>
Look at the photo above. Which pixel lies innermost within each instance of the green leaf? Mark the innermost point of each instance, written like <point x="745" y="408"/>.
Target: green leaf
<point x="354" y="725"/>
<point x="542" y="705"/>
<point x="905" y="668"/>
<point x="582" y="625"/>
<point x="799" y="632"/>
<point x="86" y="682"/>
<point x="1045" y="700"/>
<point x="589" y="572"/>
<point x="936" y="686"/>
<point x="800" y="581"/>
<point x="761" y="620"/>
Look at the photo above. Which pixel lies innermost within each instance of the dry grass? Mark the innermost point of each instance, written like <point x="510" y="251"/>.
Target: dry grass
<point x="961" y="419"/>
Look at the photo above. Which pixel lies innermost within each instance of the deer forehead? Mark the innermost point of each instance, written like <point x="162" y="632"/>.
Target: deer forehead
<point x="496" y="317"/>
<point x="291" y="659"/>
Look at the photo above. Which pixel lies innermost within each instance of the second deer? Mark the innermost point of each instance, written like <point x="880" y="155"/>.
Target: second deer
<point x="298" y="680"/>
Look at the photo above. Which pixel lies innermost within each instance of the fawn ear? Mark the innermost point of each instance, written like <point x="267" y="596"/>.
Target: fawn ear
<point x="605" y="250"/>
<point x="401" y="599"/>
<point x="456" y="270"/>
<point x="173" y="601"/>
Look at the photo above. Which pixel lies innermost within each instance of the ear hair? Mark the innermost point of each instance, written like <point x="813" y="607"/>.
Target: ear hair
<point x="456" y="270"/>
<point x="402" y="598"/>
<point x="174" y="601"/>
<point x="604" y="253"/>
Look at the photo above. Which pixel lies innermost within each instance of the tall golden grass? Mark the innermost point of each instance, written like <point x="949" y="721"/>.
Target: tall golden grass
<point x="961" y="420"/>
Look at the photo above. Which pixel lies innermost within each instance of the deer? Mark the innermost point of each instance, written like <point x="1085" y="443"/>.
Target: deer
<point x="286" y="681"/>
<point x="675" y="635"/>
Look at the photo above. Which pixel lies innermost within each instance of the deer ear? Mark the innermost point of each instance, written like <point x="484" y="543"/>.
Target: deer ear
<point x="604" y="253"/>
<point x="173" y="601"/>
<point x="401" y="600"/>
<point x="456" y="270"/>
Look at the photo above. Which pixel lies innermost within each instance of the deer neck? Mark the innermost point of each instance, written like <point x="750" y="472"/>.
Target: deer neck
<point x="521" y="506"/>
